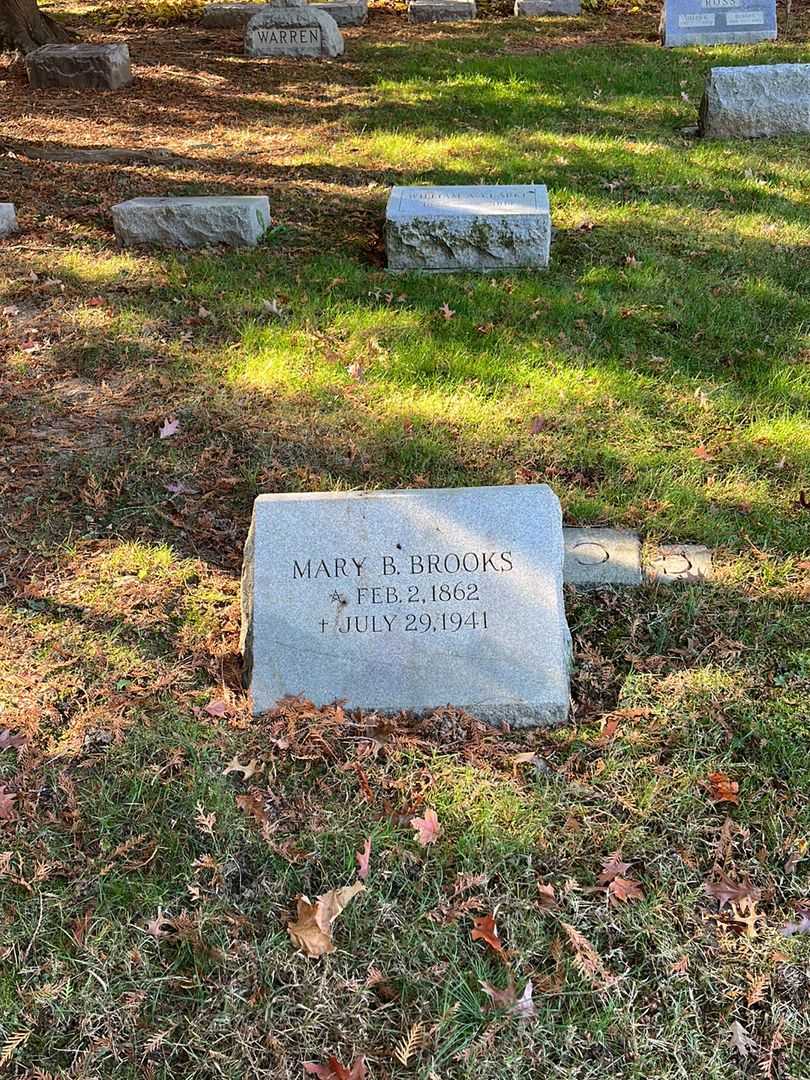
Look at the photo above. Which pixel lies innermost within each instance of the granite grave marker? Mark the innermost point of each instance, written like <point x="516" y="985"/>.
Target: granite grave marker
<point x="292" y="28"/>
<point x="717" y="22"/>
<point x="409" y="600"/>
<point x="756" y="101"/>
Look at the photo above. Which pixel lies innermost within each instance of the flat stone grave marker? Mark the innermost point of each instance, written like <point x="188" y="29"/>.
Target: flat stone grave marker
<point x="409" y="600"/>
<point x="293" y="28"/>
<point x="193" y="221"/>
<point x="79" y="67"/>
<point x="531" y="8"/>
<point x="716" y="22"/>
<point x="680" y="562"/>
<point x="237" y="16"/>
<point x="756" y="101"/>
<point x="428" y="11"/>
<point x="8" y="219"/>
<point x="468" y="228"/>
<point x="599" y="556"/>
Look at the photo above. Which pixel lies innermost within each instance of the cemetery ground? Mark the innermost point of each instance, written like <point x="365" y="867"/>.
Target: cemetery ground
<point x="154" y="838"/>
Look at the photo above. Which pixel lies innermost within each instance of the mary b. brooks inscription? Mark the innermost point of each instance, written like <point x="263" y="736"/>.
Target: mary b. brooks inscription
<point x="409" y="600"/>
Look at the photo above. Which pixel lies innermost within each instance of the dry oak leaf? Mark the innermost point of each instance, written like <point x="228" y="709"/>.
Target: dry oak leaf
<point x="507" y="999"/>
<point x="428" y="829"/>
<point x="362" y="858"/>
<point x="312" y="930"/>
<point x="9" y="739"/>
<point x="170" y="427"/>
<point x="247" y="771"/>
<point x="7" y="800"/>
<point x="161" y="926"/>
<point x="624" y="890"/>
<point x="722" y="788"/>
<point x="546" y="898"/>
<point x="447" y="311"/>
<point x="335" y="1071"/>
<point x="612" y="867"/>
<point x="726" y="891"/>
<point x="741" y="1040"/>
<point x="484" y="929"/>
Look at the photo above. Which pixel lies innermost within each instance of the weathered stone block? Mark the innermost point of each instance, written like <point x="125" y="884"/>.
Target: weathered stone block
<point x="715" y="22"/>
<point x="680" y="562"/>
<point x="79" y="67"/>
<point x="598" y="556"/>
<point x="428" y="11"/>
<point x="8" y="219"/>
<point x="409" y="600"/>
<point x="295" y="29"/>
<point x="192" y="222"/>
<point x="756" y="101"/>
<point x="468" y="228"/>
<point x="532" y="8"/>
<point x="237" y="16"/>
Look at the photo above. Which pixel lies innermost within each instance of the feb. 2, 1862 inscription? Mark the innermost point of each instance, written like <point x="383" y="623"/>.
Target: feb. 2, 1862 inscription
<point x="409" y="600"/>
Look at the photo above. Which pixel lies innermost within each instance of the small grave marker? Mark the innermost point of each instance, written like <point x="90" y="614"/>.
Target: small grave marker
<point x="410" y="600"/>
<point x="292" y="28"/>
<point x="193" y="221"/>
<point x="756" y="101"/>
<point x="597" y="556"/>
<point x="468" y="228"/>
<point x="79" y="67"/>
<point x="429" y="11"/>
<point x="716" y="22"/>
<point x="8" y="219"/>
<point x="531" y="8"/>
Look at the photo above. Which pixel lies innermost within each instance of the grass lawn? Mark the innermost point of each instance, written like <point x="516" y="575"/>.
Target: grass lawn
<point x="656" y="376"/>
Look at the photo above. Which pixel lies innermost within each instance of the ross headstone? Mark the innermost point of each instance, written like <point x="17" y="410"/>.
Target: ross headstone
<point x="716" y="22"/>
<point x="8" y="219"/>
<point x="428" y="11"/>
<point x="596" y="556"/>
<point x="756" y="101"/>
<point x="292" y="28"/>
<point x="79" y="67"/>
<point x="409" y="600"/>
<point x="531" y="8"/>
<point x="193" y="221"/>
<point x="468" y="228"/>
<point x="237" y="16"/>
<point x="680" y="562"/>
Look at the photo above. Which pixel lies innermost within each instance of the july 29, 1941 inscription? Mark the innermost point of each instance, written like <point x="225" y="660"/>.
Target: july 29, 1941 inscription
<point x="409" y="600"/>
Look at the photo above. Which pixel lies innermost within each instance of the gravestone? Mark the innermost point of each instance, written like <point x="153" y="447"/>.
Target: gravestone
<point x="79" y="67"/>
<point x="716" y="22"/>
<point x="428" y="11"/>
<point x="531" y="8"/>
<point x="8" y="219"/>
<point x="756" y="101"/>
<point x="193" y="221"/>
<point x="292" y="28"/>
<point x="597" y="556"/>
<point x="468" y="228"/>
<point x="671" y="563"/>
<point x="237" y="16"/>
<point x="409" y="600"/>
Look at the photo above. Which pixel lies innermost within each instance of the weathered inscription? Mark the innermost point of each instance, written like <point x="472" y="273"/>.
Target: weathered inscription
<point x="704" y="22"/>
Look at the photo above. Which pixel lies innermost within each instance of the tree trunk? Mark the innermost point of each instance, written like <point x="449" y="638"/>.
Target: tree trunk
<point x="23" y="26"/>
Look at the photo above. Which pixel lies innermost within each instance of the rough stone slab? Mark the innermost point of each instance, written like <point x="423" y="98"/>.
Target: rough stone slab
<point x="79" y="67"/>
<point x="409" y="600"/>
<point x="296" y="29"/>
<point x="8" y="219"/>
<point x="237" y="16"/>
<point x="192" y="222"/>
<point x="716" y="22"/>
<point x="598" y="556"/>
<point x="429" y="11"/>
<point x="468" y="228"/>
<point x="529" y="9"/>
<point x="756" y="101"/>
<point x="680" y="562"/>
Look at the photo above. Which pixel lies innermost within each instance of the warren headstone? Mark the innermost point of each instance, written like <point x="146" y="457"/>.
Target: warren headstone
<point x="717" y="22"/>
<point x="468" y="228"/>
<point x="756" y="101"/>
<point x="293" y="28"/>
<point x="409" y="600"/>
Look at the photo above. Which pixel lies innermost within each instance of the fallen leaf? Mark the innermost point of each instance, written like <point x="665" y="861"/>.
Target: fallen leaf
<point x="507" y="999"/>
<point x="447" y="311"/>
<point x="800" y="927"/>
<point x="335" y="1071"/>
<point x="9" y="739"/>
<point x="356" y="371"/>
<point x="484" y="929"/>
<point x="612" y="867"/>
<point x="216" y="707"/>
<point x="362" y="858"/>
<point x="546" y="900"/>
<point x="7" y="800"/>
<point x="253" y="806"/>
<point x="428" y="830"/>
<point x="538" y="424"/>
<point x="177" y="487"/>
<point x="161" y="927"/>
<point x="722" y="788"/>
<point x="624" y="890"/>
<point x="726" y="891"/>
<point x="312" y="930"/>
<point x="170" y="427"/>
<point x="701" y="453"/>
<point x="680" y="966"/>
<point x="741" y="1040"/>
<point x="247" y="771"/>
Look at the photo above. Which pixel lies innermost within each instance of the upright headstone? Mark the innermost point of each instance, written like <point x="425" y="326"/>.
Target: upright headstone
<point x="236" y="16"/>
<point x="8" y="219"/>
<point x="79" y="67"/>
<point x="531" y="8"/>
<point x="468" y="228"/>
<point x="756" y="101"/>
<point x="717" y="22"/>
<point x="409" y="600"/>
<point x="292" y="28"/>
